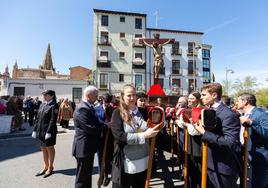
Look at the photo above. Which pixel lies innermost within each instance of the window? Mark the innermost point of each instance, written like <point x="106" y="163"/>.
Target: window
<point x="176" y="48"/>
<point x="77" y="95"/>
<point x="18" y="91"/>
<point x="206" y="63"/>
<point x="104" y="53"/>
<point x="138" y="59"/>
<point x="175" y="66"/>
<point x="122" y="36"/>
<point x="191" y="47"/>
<point x="122" y="19"/>
<point x="138" y="23"/>
<point x="138" y="55"/>
<point x="206" y="53"/>
<point x="104" y="39"/>
<point x="137" y="36"/>
<point x="121" y="77"/>
<point x="104" y="20"/>
<point x="103" y="56"/>
<point x="136" y="40"/>
<point x="121" y="55"/>
<point x="191" y="67"/>
<point x="206" y="76"/>
<point x="138" y="81"/>
<point x="191" y="85"/>
<point x="176" y="82"/>
<point x="104" y="80"/>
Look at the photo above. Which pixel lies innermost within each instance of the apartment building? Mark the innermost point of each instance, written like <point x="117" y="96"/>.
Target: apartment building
<point x="118" y="58"/>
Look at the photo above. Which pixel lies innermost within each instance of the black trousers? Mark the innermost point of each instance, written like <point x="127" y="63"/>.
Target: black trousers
<point x="31" y="117"/>
<point x="195" y="166"/>
<point x="64" y="123"/>
<point x="84" y="169"/>
<point x="133" y="180"/>
<point x="216" y="180"/>
<point x="109" y="153"/>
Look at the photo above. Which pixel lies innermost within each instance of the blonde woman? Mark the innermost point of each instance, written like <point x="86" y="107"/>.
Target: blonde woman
<point x="131" y="135"/>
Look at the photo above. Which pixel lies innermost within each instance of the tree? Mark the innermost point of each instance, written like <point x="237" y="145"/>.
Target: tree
<point x="262" y="97"/>
<point x="247" y="85"/>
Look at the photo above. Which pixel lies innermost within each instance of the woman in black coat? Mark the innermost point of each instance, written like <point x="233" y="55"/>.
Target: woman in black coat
<point x="45" y="131"/>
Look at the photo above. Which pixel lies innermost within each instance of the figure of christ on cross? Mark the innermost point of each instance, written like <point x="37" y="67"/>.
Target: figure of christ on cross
<point x="156" y="44"/>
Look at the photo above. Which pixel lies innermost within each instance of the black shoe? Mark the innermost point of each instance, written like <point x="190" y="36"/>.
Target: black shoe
<point x="106" y="181"/>
<point x="48" y="174"/>
<point x="41" y="173"/>
<point x="21" y="129"/>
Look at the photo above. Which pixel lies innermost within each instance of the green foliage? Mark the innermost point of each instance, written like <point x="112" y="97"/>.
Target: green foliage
<point x="247" y="85"/>
<point x="262" y="97"/>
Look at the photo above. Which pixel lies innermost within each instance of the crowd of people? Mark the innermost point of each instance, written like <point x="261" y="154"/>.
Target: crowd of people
<point x="127" y="155"/>
<point x="117" y="129"/>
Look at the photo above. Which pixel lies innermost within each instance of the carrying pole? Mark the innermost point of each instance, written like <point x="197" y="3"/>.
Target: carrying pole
<point x="186" y="137"/>
<point x="204" y="165"/>
<point x="100" y="181"/>
<point x="245" y="175"/>
<point x="150" y="162"/>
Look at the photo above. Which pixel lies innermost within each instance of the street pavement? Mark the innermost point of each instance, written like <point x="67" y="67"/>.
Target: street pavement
<point x="21" y="159"/>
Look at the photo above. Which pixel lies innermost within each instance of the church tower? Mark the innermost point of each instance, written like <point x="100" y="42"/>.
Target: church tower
<point x="15" y="70"/>
<point x="48" y="64"/>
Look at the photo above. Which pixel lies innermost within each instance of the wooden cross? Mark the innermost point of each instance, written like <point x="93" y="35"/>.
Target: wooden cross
<point x="156" y="44"/>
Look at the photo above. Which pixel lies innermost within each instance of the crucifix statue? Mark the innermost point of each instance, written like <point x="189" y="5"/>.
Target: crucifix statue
<point x="156" y="44"/>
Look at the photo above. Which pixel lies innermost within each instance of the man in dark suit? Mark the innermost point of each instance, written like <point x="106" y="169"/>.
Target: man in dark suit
<point x="223" y="140"/>
<point x="257" y="119"/>
<point x="86" y="138"/>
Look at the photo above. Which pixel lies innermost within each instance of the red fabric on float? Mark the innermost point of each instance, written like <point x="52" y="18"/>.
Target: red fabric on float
<point x="156" y="89"/>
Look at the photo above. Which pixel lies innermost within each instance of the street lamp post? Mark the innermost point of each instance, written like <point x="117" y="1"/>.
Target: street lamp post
<point x="227" y="81"/>
<point x="195" y="49"/>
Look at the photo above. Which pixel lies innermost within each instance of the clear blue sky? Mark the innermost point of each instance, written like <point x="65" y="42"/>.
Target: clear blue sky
<point x="237" y="30"/>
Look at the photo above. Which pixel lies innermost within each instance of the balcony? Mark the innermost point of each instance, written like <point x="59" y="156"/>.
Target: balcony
<point x="192" y="52"/>
<point x="103" y="62"/>
<point x="192" y="73"/>
<point x="104" y="41"/>
<point x="176" y="51"/>
<point x="103" y="88"/>
<point x="138" y="63"/>
<point x="137" y="44"/>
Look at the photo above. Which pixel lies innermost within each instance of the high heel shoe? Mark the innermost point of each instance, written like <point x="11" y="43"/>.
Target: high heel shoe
<point x="48" y="173"/>
<point x="41" y="172"/>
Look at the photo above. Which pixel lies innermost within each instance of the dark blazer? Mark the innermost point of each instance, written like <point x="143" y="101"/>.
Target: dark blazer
<point x="144" y="113"/>
<point x="87" y="131"/>
<point x="223" y="142"/>
<point x="259" y="148"/>
<point x="46" y="121"/>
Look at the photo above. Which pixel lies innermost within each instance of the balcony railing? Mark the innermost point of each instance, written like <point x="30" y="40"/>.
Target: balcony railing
<point x="103" y="62"/>
<point x="176" y="51"/>
<point x="138" y="63"/>
<point x="192" y="73"/>
<point x="103" y="88"/>
<point x="105" y="41"/>
<point x="137" y="44"/>
<point x="192" y="52"/>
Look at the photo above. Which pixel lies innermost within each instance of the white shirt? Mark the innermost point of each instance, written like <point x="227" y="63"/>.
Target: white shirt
<point x="241" y="135"/>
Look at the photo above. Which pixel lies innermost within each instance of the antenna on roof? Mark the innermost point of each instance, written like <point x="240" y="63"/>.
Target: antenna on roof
<point x="156" y="18"/>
